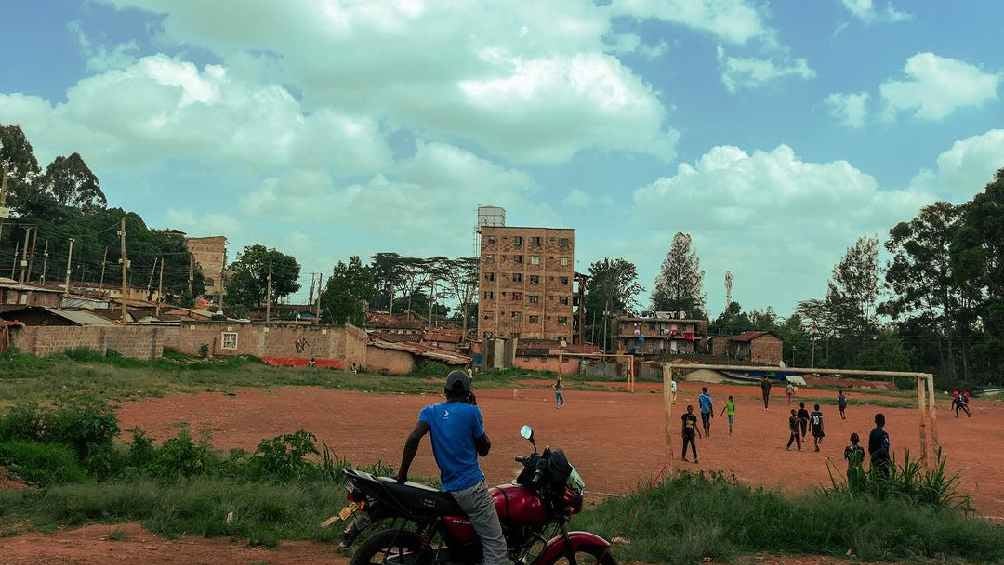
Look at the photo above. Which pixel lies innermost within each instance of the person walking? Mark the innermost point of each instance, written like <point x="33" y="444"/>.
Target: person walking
<point x="765" y="391"/>
<point x="707" y="410"/>
<point x="842" y="404"/>
<point x="673" y="389"/>
<point x="854" y="454"/>
<point x="818" y="433"/>
<point x="880" y="448"/>
<point x="730" y="411"/>
<point x="803" y="419"/>
<point x="793" y="435"/>
<point x="962" y="404"/>
<point x="789" y="392"/>
<point x="688" y="432"/>
<point x="559" y="394"/>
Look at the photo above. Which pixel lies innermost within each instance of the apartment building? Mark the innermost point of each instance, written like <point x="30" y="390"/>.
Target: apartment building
<point x="210" y="253"/>
<point x="526" y="282"/>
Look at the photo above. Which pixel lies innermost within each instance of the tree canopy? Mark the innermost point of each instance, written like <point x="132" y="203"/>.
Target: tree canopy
<point x="679" y="286"/>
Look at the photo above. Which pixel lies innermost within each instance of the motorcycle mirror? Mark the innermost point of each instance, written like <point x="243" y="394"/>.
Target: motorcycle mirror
<point x="527" y="433"/>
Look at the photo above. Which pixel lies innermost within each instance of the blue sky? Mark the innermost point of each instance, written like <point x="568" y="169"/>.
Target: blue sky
<point x="775" y="133"/>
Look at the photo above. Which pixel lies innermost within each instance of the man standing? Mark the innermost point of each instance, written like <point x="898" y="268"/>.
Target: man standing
<point x="789" y="392"/>
<point x="765" y="391"/>
<point x="688" y="432"/>
<point x="730" y="411"/>
<point x="458" y="438"/>
<point x="880" y="448"/>
<point x="842" y="403"/>
<point x="816" y="418"/>
<point x="793" y="436"/>
<point x="803" y="419"/>
<point x="559" y="393"/>
<point x="707" y="410"/>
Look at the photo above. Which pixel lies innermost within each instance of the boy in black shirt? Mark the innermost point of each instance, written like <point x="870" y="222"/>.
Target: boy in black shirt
<point x="880" y="447"/>
<point x="793" y="436"/>
<point x="816" y="418"/>
<point x="689" y="430"/>
<point x="803" y="419"/>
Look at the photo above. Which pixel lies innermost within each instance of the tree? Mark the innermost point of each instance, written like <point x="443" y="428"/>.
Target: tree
<point x="17" y="159"/>
<point x="732" y="321"/>
<point x="247" y="284"/>
<point x="389" y="272"/>
<point x="70" y="182"/>
<point x="680" y="283"/>
<point x="853" y="289"/>
<point x="350" y="287"/>
<point x="461" y="278"/>
<point x="612" y="287"/>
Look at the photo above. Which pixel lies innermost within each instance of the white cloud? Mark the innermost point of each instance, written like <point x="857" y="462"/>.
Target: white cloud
<point x="848" y="109"/>
<point x="935" y="87"/>
<point x="866" y="11"/>
<point x="198" y="223"/>
<point x="739" y="72"/>
<point x="622" y="43"/>
<point x="100" y="58"/>
<point x="965" y="168"/>
<point x="775" y="220"/>
<point x="734" y="21"/>
<point x="160" y="107"/>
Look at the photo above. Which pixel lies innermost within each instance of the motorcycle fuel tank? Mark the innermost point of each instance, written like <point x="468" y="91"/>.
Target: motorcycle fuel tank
<point x="514" y="505"/>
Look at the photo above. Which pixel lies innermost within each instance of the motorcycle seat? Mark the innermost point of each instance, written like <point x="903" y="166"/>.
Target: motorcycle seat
<point x="421" y="499"/>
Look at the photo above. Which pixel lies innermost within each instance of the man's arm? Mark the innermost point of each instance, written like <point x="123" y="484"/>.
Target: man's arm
<point x="411" y="449"/>
<point x="483" y="445"/>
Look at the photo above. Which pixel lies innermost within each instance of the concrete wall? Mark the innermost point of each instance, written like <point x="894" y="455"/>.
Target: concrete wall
<point x="389" y="361"/>
<point x="139" y="342"/>
<point x="550" y="364"/>
<point x="282" y="341"/>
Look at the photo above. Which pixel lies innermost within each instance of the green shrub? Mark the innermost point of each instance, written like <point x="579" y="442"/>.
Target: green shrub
<point x="182" y="457"/>
<point x="84" y="427"/>
<point x="25" y="422"/>
<point x="41" y="463"/>
<point x="909" y="480"/>
<point x="84" y="355"/>
<point x="431" y="369"/>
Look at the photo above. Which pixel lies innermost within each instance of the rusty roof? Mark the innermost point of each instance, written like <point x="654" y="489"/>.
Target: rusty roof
<point x="420" y="350"/>
<point x="748" y="336"/>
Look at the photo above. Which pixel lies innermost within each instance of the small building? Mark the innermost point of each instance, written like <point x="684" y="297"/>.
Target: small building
<point x="41" y="316"/>
<point x="660" y="335"/>
<point x="15" y="293"/>
<point x="756" y="347"/>
<point x="399" y="323"/>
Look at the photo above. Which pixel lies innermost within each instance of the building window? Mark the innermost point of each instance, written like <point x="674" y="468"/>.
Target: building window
<point x="489" y="295"/>
<point x="487" y="315"/>
<point x="564" y="281"/>
<point x="563" y="243"/>
<point x="517" y="241"/>
<point x="564" y="261"/>
<point x="534" y="299"/>
<point x="534" y="279"/>
<point x="562" y="320"/>
<point x="490" y="276"/>
<point x="517" y="277"/>
<point x="488" y="258"/>
<point x="535" y="259"/>
<point x="229" y="340"/>
<point x="490" y="240"/>
<point x="564" y="301"/>
<point x="210" y="282"/>
<point x="536" y="241"/>
<point x="534" y="319"/>
<point x="517" y="296"/>
<point x="517" y="259"/>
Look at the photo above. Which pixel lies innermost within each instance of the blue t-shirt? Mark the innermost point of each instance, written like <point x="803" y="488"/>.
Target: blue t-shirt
<point x="453" y="427"/>
<point x="704" y="400"/>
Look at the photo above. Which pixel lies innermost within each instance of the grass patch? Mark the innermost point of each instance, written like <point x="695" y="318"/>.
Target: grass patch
<point x="41" y="463"/>
<point x="696" y="516"/>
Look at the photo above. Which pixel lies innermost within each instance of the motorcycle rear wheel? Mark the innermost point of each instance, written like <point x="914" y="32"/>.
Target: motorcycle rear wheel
<point x="393" y="547"/>
<point x="592" y="556"/>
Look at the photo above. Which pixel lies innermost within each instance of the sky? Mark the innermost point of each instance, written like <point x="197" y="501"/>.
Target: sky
<point x="775" y="133"/>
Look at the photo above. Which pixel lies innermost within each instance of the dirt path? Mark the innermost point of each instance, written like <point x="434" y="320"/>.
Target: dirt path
<point x="617" y="440"/>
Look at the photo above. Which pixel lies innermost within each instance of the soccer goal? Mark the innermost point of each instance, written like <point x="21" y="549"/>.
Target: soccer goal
<point x="925" y="394"/>
<point x="625" y="359"/>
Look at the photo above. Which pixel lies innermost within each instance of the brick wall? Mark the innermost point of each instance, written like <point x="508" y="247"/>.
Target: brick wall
<point x="139" y="342"/>
<point x="766" y="350"/>
<point x="295" y="341"/>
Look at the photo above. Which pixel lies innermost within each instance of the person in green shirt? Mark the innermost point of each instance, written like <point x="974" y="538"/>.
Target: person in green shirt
<point x="730" y="411"/>
<point x="855" y="456"/>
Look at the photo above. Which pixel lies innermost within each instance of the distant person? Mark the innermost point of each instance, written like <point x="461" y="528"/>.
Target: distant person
<point x="765" y="391"/>
<point x="880" y="448"/>
<point x="730" y="411"/>
<point x="559" y="394"/>
<point x="793" y="436"/>
<point x="789" y="392"/>
<point x="688" y="432"/>
<point x="803" y="419"/>
<point x="842" y="403"/>
<point x="854" y="454"/>
<point x="962" y="404"/>
<point x="818" y="433"/>
<point x="707" y="410"/>
<point x="673" y="389"/>
<point x="955" y="401"/>
<point x="312" y="362"/>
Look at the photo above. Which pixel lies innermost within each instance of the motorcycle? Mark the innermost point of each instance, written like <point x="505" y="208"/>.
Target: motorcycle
<point x="426" y="526"/>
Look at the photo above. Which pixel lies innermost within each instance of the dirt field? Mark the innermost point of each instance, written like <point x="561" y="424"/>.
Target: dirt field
<point x="615" y="439"/>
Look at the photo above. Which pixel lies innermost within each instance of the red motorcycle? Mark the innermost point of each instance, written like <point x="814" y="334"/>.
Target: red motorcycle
<point x="425" y="526"/>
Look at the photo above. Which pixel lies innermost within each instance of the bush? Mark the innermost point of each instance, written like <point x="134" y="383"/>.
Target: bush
<point x="934" y="486"/>
<point x="431" y="369"/>
<point x="83" y="426"/>
<point x="41" y="463"/>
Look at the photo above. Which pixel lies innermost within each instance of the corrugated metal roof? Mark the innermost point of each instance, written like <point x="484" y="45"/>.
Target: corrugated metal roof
<point x="11" y="283"/>
<point x="81" y="317"/>
<point x="448" y="357"/>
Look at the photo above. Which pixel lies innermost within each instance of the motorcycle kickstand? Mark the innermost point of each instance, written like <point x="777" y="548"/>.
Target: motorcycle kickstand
<point x="569" y="550"/>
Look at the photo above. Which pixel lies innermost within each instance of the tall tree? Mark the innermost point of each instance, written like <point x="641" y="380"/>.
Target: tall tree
<point x="853" y="288"/>
<point x="389" y="272"/>
<point x="70" y="182"/>
<point x="612" y="286"/>
<point x="349" y="289"/>
<point x="680" y="283"/>
<point x="17" y="159"/>
<point x="247" y="284"/>
<point x="732" y="321"/>
<point x="461" y="278"/>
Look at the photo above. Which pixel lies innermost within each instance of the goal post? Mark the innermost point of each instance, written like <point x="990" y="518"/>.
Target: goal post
<point x="925" y="394"/>
<point x="628" y="362"/>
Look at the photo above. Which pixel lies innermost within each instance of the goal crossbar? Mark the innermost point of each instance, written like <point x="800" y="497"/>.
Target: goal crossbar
<point x="925" y="393"/>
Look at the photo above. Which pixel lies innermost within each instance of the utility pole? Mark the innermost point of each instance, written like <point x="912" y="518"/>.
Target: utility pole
<point x="432" y="298"/>
<point x="24" y="254"/>
<point x="320" y="285"/>
<point x="13" y="265"/>
<point x="149" y="283"/>
<point x="69" y="264"/>
<point x="313" y="278"/>
<point x="125" y="270"/>
<point x="160" y="289"/>
<point x="45" y="262"/>
<point x="104" y="259"/>
<point x="191" y="269"/>
<point x="268" y="296"/>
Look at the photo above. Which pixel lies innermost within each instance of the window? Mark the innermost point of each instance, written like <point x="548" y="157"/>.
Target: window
<point x="490" y="240"/>
<point x="229" y="340"/>
<point x="564" y="301"/>
<point x="517" y="259"/>
<point x="564" y="280"/>
<point x="535" y="259"/>
<point x="563" y="243"/>
<point x="534" y="319"/>
<point x="488" y="258"/>
<point x="536" y="241"/>
<point x="487" y="315"/>
<point x="517" y="296"/>
<point x="534" y="299"/>
<point x="517" y="277"/>
<point x="534" y="279"/>
<point x="210" y="283"/>
<point x="489" y="295"/>
<point x="517" y="241"/>
<point x="490" y="276"/>
<point x="562" y="320"/>
<point x="564" y="261"/>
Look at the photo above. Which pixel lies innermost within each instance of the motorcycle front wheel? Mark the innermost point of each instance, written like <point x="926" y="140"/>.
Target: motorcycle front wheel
<point x="591" y="556"/>
<point x="393" y="547"/>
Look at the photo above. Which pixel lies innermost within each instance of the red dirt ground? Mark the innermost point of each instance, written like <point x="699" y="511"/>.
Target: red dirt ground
<point x="615" y="439"/>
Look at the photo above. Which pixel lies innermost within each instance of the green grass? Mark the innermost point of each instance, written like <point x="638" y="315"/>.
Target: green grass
<point x="691" y="517"/>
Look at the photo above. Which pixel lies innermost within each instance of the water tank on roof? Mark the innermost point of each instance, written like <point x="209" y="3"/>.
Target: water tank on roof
<point x="491" y="217"/>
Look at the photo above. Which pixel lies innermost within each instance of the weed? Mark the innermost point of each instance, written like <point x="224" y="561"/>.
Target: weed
<point x="41" y="463"/>
<point x="118" y="535"/>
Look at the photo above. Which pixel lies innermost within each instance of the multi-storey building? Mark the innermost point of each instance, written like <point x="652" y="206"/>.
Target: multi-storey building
<point x="663" y="334"/>
<point x="210" y="253"/>
<point x="526" y="282"/>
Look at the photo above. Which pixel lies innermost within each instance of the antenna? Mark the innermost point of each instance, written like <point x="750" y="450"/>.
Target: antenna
<point x="729" y="280"/>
